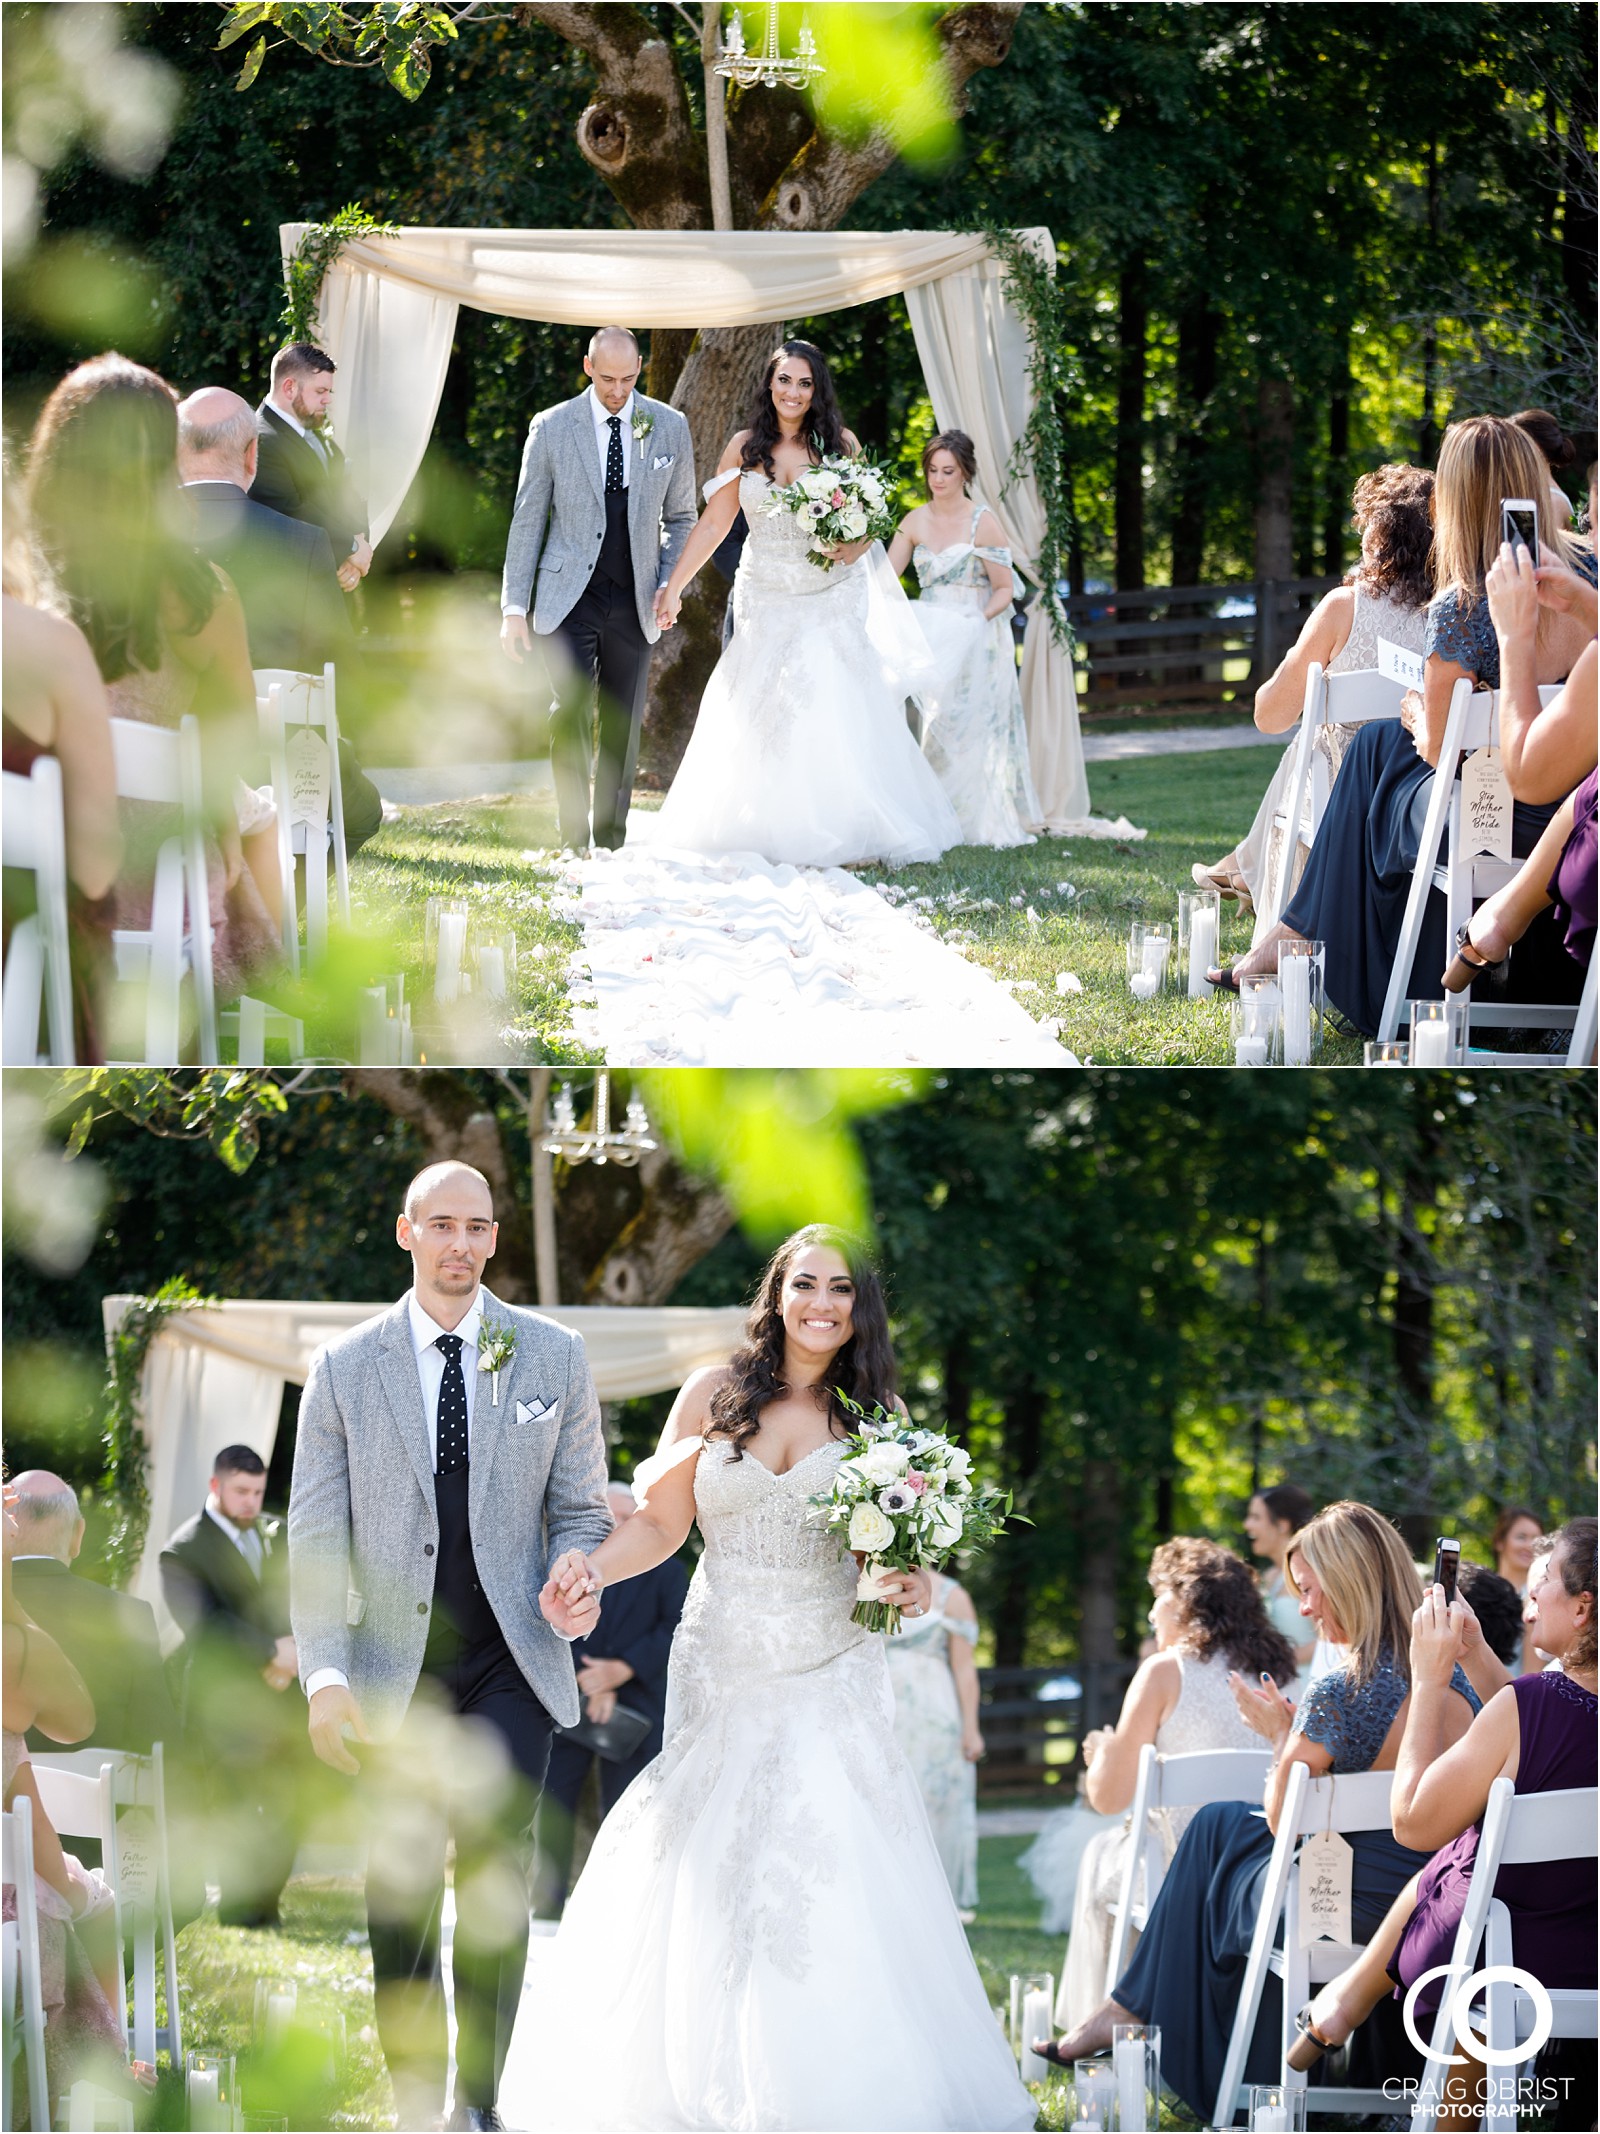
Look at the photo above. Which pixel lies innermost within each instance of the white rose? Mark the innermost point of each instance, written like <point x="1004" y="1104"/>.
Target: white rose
<point x="959" y="1461"/>
<point x="853" y="522"/>
<point x="944" y="1525"/>
<point x="869" y="1529"/>
<point x="884" y="1463"/>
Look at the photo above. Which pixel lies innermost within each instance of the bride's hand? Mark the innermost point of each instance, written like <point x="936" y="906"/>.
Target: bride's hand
<point x="669" y="605"/>
<point x="570" y="1601"/>
<point x="848" y="551"/>
<point x="909" y="1591"/>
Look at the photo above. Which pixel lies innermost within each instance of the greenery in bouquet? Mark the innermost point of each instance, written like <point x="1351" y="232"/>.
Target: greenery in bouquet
<point x="903" y="1497"/>
<point x="841" y="500"/>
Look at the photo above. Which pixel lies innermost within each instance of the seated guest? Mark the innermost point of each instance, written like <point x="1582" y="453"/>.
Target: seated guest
<point x="1558" y="452"/>
<point x="1359" y="1586"/>
<point x="1386" y="595"/>
<point x="224" y="1575"/>
<point x="1497" y="1606"/>
<point x="282" y="568"/>
<point x="109" y="1637"/>
<point x="55" y="705"/>
<point x="623" y="1662"/>
<point x="1272" y="1518"/>
<point x="1548" y="753"/>
<point x="167" y="633"/>
<point x="1538" y="1730"/>
<point x="1209" y="1622"/>
<point x="1358" y="878"/>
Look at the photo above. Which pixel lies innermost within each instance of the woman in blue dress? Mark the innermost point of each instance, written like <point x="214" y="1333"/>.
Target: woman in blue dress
<point x="1358" y="876"/>
<point x="1359" y="1586"/>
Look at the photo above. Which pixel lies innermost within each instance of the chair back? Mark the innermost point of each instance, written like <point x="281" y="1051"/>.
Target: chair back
<point x="269" y="720"/>
<point x="24" y="1977"/>
<point x="1351" y="699"/>
<point x="38" y="972"/>
<point x="81" y="1806"/>
<point x="1164" y="1782"/>
<point x="308" y="703"/>
<point x="156" y="764"/>
<point x="1360" y="696"/>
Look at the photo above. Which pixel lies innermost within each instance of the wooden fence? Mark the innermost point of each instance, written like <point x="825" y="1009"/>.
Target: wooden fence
<point x="1033" y="1718"/>
<point x="1164" y="645"/>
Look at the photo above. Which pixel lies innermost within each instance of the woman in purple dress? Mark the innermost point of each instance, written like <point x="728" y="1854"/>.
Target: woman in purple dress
<point x="1537" y="1730"/>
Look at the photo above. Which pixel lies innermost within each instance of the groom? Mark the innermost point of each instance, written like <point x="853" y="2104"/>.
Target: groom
<point x="604" y="503"/>
<point x="430" y="1494"/>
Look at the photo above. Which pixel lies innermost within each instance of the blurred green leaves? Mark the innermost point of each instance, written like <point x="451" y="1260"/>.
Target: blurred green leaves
<point x="51" y="1207"/>
<point x="780" y="1144"/>
<point x="885" y="74"/>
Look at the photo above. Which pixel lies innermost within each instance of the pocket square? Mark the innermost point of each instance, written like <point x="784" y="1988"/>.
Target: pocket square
<point x="664" y="460"/>
<point x="534" y="1411"/>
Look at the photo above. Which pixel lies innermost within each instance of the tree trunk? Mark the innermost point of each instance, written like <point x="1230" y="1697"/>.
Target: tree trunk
<point x="1023" y="1439"/>
<point x="1412" y="1335"/>
<point x="1100" y="1522"/>
<point x="1336" y="496"/>
<point x="1428" y="432"/>
<point x="681" y="1219"/>
<point x="1132" y="326"/>
<point x="1198" y="328"/>
<point x="1274" y="478"/>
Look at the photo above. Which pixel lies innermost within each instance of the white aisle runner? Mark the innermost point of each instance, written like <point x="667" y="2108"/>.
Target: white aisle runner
<point x="736" y="962"/>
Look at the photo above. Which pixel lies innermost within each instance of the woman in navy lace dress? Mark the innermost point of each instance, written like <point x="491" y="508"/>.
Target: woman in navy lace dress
<point x="1359" y="1586"/>
<point x="1358" y="876"/>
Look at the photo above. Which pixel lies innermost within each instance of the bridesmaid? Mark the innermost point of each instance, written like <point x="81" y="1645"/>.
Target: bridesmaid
<point x="973" y="730"/>
<point x="935" y="1675"/>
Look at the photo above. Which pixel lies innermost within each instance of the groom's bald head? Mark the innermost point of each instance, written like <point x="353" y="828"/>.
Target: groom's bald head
<point x="612" y="366"/>
<point x="615" y="342"/>
<point x="452" y="1180"/>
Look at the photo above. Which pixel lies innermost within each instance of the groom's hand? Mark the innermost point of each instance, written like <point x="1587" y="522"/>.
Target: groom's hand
<point x="570" y="1601"/>
<point x="668" y="608"/>
<point x="514" y="639"/>
<point x="333" y="1709"/>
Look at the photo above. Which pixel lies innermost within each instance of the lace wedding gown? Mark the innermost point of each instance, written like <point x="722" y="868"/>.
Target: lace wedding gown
<point x="801" y="751"/>
<point x="763" y="1936"/>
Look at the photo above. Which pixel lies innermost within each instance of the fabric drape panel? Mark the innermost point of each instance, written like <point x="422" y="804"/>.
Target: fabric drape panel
<point x="973" y="348"/>
<point x="215" y="1377"/>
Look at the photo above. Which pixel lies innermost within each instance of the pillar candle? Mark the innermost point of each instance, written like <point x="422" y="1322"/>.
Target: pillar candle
<point x="1128" y="2057"/>
<point x="1036" y="2023"/>
<point x="1202" y="949"/>
<point x="1430" y="1043"/>
<point x="1294" y="976"/>
<point x="452" y="946"/>
<point x="492" y="971"/>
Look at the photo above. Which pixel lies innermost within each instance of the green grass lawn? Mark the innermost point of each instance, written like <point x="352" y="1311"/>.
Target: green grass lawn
<point x="1027" y="928"/>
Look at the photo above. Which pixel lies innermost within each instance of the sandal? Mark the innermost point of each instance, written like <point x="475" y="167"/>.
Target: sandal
<point x="1231" y="887"/>
<point x="1468" y="966"/>
<point x="1223" y="980"/>
<point x="1051" y="2051"/>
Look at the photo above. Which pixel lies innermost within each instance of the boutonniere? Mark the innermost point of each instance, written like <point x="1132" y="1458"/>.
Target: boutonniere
<point x="496" y="1347"/>
<point x="641" y="426"/>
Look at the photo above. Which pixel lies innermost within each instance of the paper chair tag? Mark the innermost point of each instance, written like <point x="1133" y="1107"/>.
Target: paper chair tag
<point x="1485" y="805"/>
<point x="1326" y="1862"/>
<point x="1399" y="665"/>
<point x="310" y="780"/>
<point x="136" y="1856"/>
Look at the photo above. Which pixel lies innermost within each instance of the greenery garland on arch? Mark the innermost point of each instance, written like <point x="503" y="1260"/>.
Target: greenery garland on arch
<point x="1041" y="449"/>
<point x="320" y="245"/>
<point x="125" y="1481"/>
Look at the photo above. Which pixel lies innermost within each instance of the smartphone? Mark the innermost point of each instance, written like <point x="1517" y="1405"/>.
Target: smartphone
<point x="1519" y="522"/>
<point x="1446" y="1562"/>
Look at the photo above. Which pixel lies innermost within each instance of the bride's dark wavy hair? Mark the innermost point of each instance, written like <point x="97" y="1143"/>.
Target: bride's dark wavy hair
<point x="825" y="431"/>
<point x="864" y="1368"/>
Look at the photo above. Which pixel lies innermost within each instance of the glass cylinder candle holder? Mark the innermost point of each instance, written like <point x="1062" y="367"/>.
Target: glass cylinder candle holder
<point x="450" y="958"/>
<point x="1033" y="2000"/>
<point x="494" y="956"/>
<point x="1276" y="2110"/>
<point x="1149" y="953"/>
<point x="1094" y="2089"/>
<point x="1136" y="2069"/>
<point x="209" y="2083"/>
<point x="1257" y="1021"/>
<point x="275" y="2002"/>
<point x="1397" y="1053"/>
<point x="1199" y="932"/>
<point x="1300" y="975"/>
<point x="1433" y="1039"/>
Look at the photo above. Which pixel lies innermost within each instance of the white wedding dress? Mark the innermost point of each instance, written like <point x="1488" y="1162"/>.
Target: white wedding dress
<point x="763" y="1936"/>
<point x="801" y="752"/>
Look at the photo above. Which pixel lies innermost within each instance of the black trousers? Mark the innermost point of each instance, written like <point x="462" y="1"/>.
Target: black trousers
<point x="610" y="657"/>
<point x="556" y="1828"/>
<point x="493" y="1840"/>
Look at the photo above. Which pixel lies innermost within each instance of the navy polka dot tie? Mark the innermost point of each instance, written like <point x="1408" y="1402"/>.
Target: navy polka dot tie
<point x="450" y="1451"/>
<point x="614" y="479"/>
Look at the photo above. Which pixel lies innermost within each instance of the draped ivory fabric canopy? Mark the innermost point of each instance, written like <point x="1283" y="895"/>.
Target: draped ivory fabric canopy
<point x="215" y="1377"/>
<point x="387" y="315"/>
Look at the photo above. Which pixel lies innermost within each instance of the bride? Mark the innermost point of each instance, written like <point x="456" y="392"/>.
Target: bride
<point x="801" y="751"/>
<point x="763" y="1936"/>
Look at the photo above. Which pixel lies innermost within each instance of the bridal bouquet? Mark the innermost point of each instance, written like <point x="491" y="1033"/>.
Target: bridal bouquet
<point x="842" y="500"/>
<point x="904" y="1497"/>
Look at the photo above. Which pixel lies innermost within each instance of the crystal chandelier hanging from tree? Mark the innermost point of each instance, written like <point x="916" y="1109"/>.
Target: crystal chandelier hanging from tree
<point x="768" y="68"/>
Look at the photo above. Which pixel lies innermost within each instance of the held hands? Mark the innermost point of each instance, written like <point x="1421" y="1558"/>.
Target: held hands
<point x="1263" y="1707"/>
<point x="514" y="640"/>
<point x="332" y="1712"/>
<point x="669" y="606"/>
<point x="570" y="1601"/>
<point x="1438" y="1640"/>
<point x="284" y="1665"/>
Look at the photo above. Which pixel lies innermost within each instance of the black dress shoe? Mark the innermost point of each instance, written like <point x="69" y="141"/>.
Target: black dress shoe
<point x="476" y="2119"/>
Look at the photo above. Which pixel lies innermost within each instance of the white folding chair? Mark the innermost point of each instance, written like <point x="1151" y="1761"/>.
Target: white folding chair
<point x="269" y="719"/>
<point x="1580" y="1053"/>
<point x="24" y="2023"/>
<point x="310" y="715"/>
<point x="38" y="973"/>
<point x="1462" y="878"/>
<point x="1518" y="1830"/>
<point x="1166" y="1782"/>
<point x="1356" y="1802"/>
<point x="156" y="764"/>
<point x="1353" y="699"/>
<point x="82" y="1804"/>
<point x="139" y="1789"/>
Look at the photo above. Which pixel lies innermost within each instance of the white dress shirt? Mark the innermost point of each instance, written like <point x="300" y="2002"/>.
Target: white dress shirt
<point x="602" y="434"/>
<point x="244" y="1538"/>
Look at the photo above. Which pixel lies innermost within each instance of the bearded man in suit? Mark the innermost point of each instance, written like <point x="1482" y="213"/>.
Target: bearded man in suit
<point x="605" y="502"/>
<point x="448" y="1451"/>
<point x="300" y="471"/>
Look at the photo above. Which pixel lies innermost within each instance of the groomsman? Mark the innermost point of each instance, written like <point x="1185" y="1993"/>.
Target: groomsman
<point x="300" y="471"/>
<point x="605" y="502"/>
<point x="448" y="1451"/>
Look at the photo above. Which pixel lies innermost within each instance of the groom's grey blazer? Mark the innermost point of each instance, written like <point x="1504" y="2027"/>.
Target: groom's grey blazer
<point x="363" y="1529"/>
<point x="560" y="516"/>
